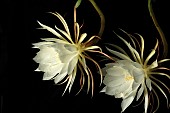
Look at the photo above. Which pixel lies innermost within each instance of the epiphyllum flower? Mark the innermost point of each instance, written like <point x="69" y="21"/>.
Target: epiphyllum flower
<point x="60" y="57"/>
<point x="133" y="76"/>
<point x="122" y="80"/>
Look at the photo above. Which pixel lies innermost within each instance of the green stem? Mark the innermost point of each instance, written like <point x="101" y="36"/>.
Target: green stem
<point x="102" y="18"/>
<point x="164" y="42"/>
<point x="102" y="21"/>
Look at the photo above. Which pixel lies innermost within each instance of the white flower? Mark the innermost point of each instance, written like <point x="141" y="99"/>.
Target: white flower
<point x="122" y="80"/>
<point x="60" y="57"/>
<point x="56" y="59"/>
<point x="131" y="76"/>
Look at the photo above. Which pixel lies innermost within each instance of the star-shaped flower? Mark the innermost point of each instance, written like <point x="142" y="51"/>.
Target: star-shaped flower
<point x="60" y="57"/>
<point x="133" y="75"/>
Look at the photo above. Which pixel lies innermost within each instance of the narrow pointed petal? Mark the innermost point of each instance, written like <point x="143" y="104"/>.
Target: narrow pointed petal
<point x="51" y="30"/>
<point x="146" y="100"/>
<point x="126" y="102"/>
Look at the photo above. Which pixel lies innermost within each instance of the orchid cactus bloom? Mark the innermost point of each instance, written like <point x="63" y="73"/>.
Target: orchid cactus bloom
<point x="122" y="80"/>
<point x="60" y="57"/>
<point x="132" y="76"/>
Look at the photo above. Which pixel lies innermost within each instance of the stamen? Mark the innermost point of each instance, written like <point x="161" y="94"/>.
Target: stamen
<point x="129" y="77"/>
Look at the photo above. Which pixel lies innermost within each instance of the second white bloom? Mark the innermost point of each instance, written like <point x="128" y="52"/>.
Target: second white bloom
<point x="122" y="80"/>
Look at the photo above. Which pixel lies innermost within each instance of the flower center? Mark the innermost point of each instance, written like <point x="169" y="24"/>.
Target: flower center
<point x="129" y="77"/>
<point x="80" y="48"/>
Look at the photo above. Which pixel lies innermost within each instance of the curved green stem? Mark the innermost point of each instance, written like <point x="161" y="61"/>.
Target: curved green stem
<point x="102" y="18"/>
<point x="164" y="42"/>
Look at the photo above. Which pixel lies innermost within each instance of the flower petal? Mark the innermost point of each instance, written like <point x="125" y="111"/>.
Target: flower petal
<point x="118" y="54"/>
<point x="47" y="55"/>
<point x="138" y="75"/>
<point x="72" y="63"/>
<point x="60" y="76"/>
<point x="111" y="81"/>
<point x="39" y="44"/>
<point x="148" y="83"/>
<point x="53" y="71"/>
<point x="104" y="89"/>
<point x="126" y="102"/>
<point x="116" y="71"/>
<point x="51" y="30"/>
<point x="146" y="100"/>
<point x="140" y="92"/>
<point x="107" y="66"/>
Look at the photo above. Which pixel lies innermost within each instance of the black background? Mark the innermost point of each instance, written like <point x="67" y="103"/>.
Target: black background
<point x="22" y="89"/>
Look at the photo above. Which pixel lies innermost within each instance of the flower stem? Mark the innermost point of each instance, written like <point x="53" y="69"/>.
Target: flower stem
<point x="101" y="17"/>
<point x="164" y="42"/>
<point x="102" y="22"/>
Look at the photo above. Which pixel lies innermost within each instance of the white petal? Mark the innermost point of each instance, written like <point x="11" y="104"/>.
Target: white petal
<point x="126" y="102"/>
<point x="60" y="77"/>
<point x="146" y="100"/>
<point x="129" y="91"/>
<point x="47" y="55"/>
<point x="51" y="30"/>
<point x="138" y="75"/>
<point x="61" y="49"/>
<point x="116" y="71"/>
<point x="65" y="34"/>
<point x="44" y="67"/>
<point x="66" y="52"/>
<point x="110" y="90"/>
<point x="137" y="65"/>
<point x="119" y="90"/>
<point x="124" y="63"/>
<point x="126" y="87"/>
<point x="39" y="44"/>
<point x="71" y="48"/>
<point x="104" y="89"/>
<point x="118" y="54"/>
<point x="107" y="66"/>
<point x="148" y="83"/>
<point x="135" y="85"/>
<point x="104" y="71"/>
<point x="153" y="65"/>
<point x="73" y="78"/>
<point x="37" y="69"/>
<point x="140" y="92"/>
<point x="62" y="74"/>
<point x="55" y="40"/>
<point x="68" y="57"/>
<point x="82" y="37"/>
<point x="72" y="64"/>
<point x="113" y="81"/>
<point x="52" y="71"/>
